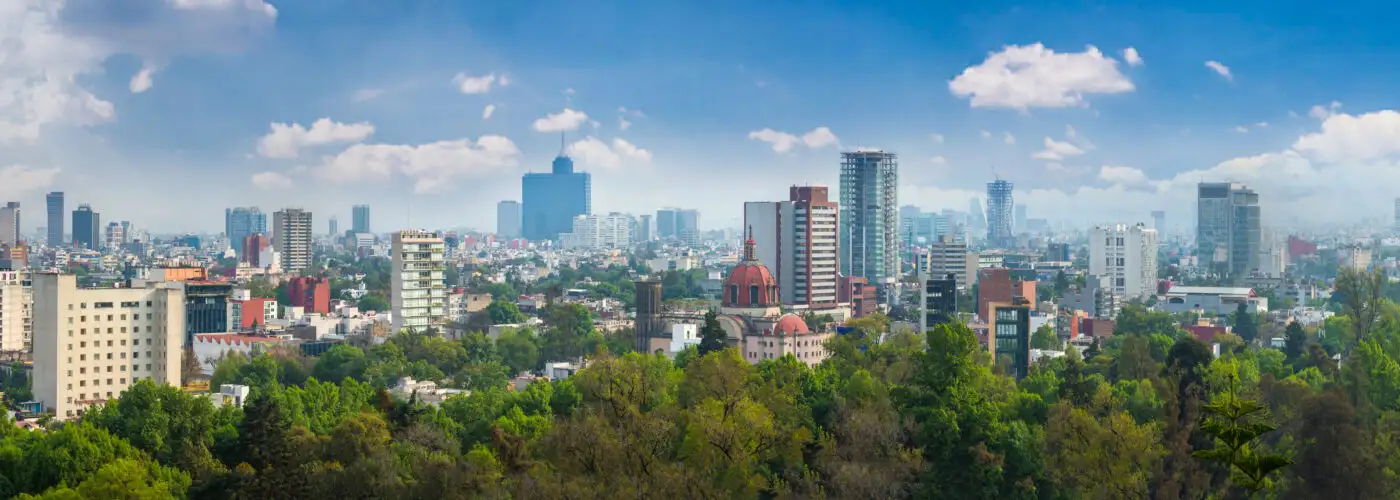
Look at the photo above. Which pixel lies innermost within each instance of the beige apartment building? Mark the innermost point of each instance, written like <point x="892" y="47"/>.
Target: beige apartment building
<point x="15" y="321"/>
<point x="418" y="281"/>
<point x="91" y="344"/>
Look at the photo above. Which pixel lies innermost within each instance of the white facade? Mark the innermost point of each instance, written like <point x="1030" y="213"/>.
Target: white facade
<point x="418" y="278"/>
<point x="91" y="344"/>
<point x="291" y="236"/>
<point x="797" y="242"/>
<point x="683" y="335"/>
<point x="9" y="223"/>
<point x="1127" y="256"/>
<point x="597" y="232"/>
<point x="16" y="309"/>
<point x="949" y="256"/>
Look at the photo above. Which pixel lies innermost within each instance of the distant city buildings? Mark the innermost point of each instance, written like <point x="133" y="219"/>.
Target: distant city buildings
<point x="797" y="238"/>
<point x="688" y="227"/>
<point x="418" y="275"/>
<point x="599" y="232"/>
<point x="1127" y="256"/>
<point x="1021" y="223"/>
<point x="9" y="224"/>
<point x="87" y="228"/>
<point x="869" y="219"/>
<point x="115" y="235"/>
<point x="1159" y="222"/>
<point x="949" y="257"/>
<point x="359" y="218"/>
<point x="291" y="237"/>
<point x="999" y="207"/>
<point x="56" y="213"/>
<point x="1228" y="234"/>
<point x="939" y="300"/>
<point x="645" y="232"/>
<point x="508" y="219"/>
<point x="334" y="227"/>
<point x="550" y="201"/>
<point x="242" y="222"/>
<point x="312" y="294"/>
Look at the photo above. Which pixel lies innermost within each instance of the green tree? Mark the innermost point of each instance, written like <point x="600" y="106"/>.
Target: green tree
<point x="124" y="479"/>
<point x="567" y="326"/>
<point x="518" y="350"/>
<point x="373" y="301"/>
<point x="1045" y="338"/>
<point x="712" y="336"/>
<point x="1236" y="424"/>
<point x="504" y="313"/>
<point x="1100" y="457"/>
<point x="1246" y="325"/>
<point x="1295" y="341"/>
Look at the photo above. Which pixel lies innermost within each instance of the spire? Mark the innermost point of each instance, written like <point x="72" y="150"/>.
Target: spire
<point x="750" y="252"/>
<point x="563" y="147"/>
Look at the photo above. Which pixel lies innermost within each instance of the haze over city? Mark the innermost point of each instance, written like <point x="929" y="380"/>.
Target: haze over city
<point x="172" y="109"/>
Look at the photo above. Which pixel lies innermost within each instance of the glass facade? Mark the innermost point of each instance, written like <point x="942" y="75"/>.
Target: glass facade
<point x="549" y="202"/>
<point x="206" y="308"/>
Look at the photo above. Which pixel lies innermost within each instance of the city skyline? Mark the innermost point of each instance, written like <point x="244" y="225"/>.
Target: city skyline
<point x="1181" y="97"/>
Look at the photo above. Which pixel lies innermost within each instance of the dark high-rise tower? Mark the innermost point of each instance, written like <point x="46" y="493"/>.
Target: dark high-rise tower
<point x="86" y="228"/>
<point x="359" y="218"/>
<point x="55" y="201"/>
<point x="999" y="207"/>
<point x="550" y="201"/>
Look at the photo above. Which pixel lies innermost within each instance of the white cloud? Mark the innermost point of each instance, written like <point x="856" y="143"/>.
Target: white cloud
<point x="141" y="81"/>
<point x="636" y="113"/>
<point x="488" y="111"/>
<point x="258" y="6"/>
<point x="594" y="152"/>
<point x="1032" y="76"/>
<point x="1008" y="138"/>
<point x="565" y="120"/>
<point x="1348" y="138"/>
<point x="367" y="94"/>
<point x="1220" y="69"/>
<point x="1262" y="124"/>
<point x="1130" y="56"/>
<point x="937" y="138"/>
<point x="1323" y="112"/>
<point x="1056" y="150"/>
<point x="783" y="142"/>
<point x="21" y="180"/>
<point x="623" y="124"/>
<point x="272" y="181"/>
<point x="285" y="141"/>
<point x="938" y="160"/>
<point x="1118" y="175"/>
<point x="569" y="91"/>
<point x="1242" y="129"/>
<point x="468" y="84"/>
<point x="432" y="166"/>
<point x="595" y="124"/>
<point x="986" y="134"/>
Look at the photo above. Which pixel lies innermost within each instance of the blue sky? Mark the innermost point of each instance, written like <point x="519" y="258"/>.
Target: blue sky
<point x="1087" y="134"/>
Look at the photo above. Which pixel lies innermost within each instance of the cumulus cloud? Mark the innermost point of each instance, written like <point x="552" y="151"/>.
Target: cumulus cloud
<point x="1220" y="69"/>
<point x="1119" y="175"/>
<point x="623" y="124"/>
<point x="936" y="138"/>
<point x="287" y="140"/>
<point x="468" y="84"/>
<point x="272" y="181"/>
<point x="1056" y="150"/>
<point x="938" y="160"/>
<point x="1130" y="56"/>
<point x="565" y="120"/>
<point x="1032" y="76"/>
<point x="783" y="142"/>
<point x="592" y="151"/>
<point x="21" y="180"/>
<point x="367" y="94"/>
<point x="1347" y="138"/>
<point x="141" y="81"/>
<point x="1321" y="112"/>
<point x="486" y="112"/>
<point x="431" y="167"/>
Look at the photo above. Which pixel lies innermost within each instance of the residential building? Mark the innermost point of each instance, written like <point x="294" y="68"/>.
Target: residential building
<point x="1127" y="256"/>
<point x="551" y="200"/>
<point x="999" y="206"/>
<point x="312" y="294"/>
<point x="116" y="235"/>
<point x="251" y="313"/>
<point x="291" y="237"/>
<point x="857" y="292"/>
<point x="599" y="232"/>
<point x="1057" y="252"/>
<point x="87" y="228"/>
<point x="1010" y="324"/>
<point x="1096" y="298"/>
<point x="869" y="219"/>
<point x="9" y="224"/>
<point x="242" y="222"/>
<point x="508" y="219"/>
<point x="996" y="285"/>
<point x="939" y="300"/>
<point x="359" y="218"/>
<point x="55" y="227"/>
<point x="1213" y="300"/>
<point x="1228" y="234"/>
<point x="16" y="313"/>
<point x="797" y="239"/>
<point x="417" y="278"/>
<point x="91" y="344"/>
<point x="252" y="248"/>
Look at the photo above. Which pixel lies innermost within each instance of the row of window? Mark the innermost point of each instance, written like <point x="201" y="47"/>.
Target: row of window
<point x="83" y="370"/>
<point x="98" y="343"/>
<point x="95" y="357"/>
<point x="108" y="305"/>
<point x="134" y="317"/>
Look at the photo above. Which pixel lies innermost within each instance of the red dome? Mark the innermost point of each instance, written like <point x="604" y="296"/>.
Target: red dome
<point x="790" y="324"/>
<point x="750" y="284"/>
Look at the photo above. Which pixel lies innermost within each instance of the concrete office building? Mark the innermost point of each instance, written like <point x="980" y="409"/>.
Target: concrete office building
<point x="797" y="240"/>
<point x="999" y="206"/>
<point x="359" y="218"/>
<point x="666" y="223"/>
<point x="333" y="228"/>
<point x="598" y="232"/>
<point x="869" y="217"/>
<point x="291" y="237"/>
<point x="1228" y="235"/>
<point x="242" y="222"/>
<point x="688" y="227"/>
<point x="939" y="300"/>
<point x="55" y="227"/>
<point x="645" y="231"/>
<point x="87" y="228"/>
<point x="508" y="219"/>
<point x="16" y="314"/>
<point x="9" y="224"/>
<point x="948" y="256"/>
<point x="91" y="344"/>
<point x="1127" y="256"/>
<point x="550" y="200"/>
<point x="418" y="280"/>
<point x="1010" y="329"/>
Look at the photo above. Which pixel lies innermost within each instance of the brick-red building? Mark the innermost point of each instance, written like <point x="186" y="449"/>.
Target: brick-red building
<point x="253" y="246"/>
<point x="311" y="294"/>
<point x="856" y="291"/>
<point x="996" y="285"/>
<point x="254" y="310"/>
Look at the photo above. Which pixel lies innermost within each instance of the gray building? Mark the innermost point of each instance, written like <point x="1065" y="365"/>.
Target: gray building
<point x="999" y="206"/>
<point x="644" y="229"/>
<point x="688" y="227"/>
<point x="666" y="223"/>
<point x="291" y="237"/>
<point x="9" y="224"/>
<point x="242" y="222"/>
<point x="1159" y="222"/>
<point x="55" y="202"/>
<point x="508" y="219"/>
<point x="1227" y="228"/>
<point x="87" y="232"/>
<point x="869" y="219"/>
<point x="359" y="218"/>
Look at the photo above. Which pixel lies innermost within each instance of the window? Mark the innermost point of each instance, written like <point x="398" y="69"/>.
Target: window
<point x="1120" y="261"/>
<point x="123" y="342"/>
<point x="131" y="304"/>
<point x="733" y="294"/>
<point x="123" y="381"/>
<point x="82" y="344"/>
<point x="109" y="316"/>
<point x="82" y="331"/>
<point x="123" y="329"/>
<point x="123" y="355"/>
<point x="82" y="383"/>
<point x="82" y="319"/>
<point x="148" y="303"/>
<point x="109" y="330"/>
<point x="753" y="294"/>
<point x="148" y="367"/>
<point x="83" y="305"/>
<point x="109" y="343"/>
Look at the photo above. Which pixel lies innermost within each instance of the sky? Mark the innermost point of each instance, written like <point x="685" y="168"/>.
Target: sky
<point x="165" y="112"/>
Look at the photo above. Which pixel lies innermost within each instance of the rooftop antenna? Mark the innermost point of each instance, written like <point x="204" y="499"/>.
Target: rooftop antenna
<point x="563" y="148"/>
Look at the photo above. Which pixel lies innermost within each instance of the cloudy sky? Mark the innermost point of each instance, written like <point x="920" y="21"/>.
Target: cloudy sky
<point x="164" y="112"/>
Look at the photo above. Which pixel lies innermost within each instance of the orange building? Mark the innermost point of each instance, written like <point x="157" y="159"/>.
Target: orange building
<point x="996" y="285"/>
<point x="179" y="274"/>
<point x="311" y="294"/>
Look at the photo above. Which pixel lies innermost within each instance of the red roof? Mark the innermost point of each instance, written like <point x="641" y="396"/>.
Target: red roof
<point x="790" y="324"/>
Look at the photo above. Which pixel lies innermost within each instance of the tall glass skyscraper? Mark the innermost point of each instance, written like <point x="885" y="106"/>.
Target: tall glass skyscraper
<point x="550" y="201"/>
<point x="869" y="219"/>
<point x="86" y="228"/>
<point x="242" y="222"/>
<point x="55" y="201"/>
<point x="1228" y="236"/>
<point x="999" y="207"/>
<point x="359" y="218"/>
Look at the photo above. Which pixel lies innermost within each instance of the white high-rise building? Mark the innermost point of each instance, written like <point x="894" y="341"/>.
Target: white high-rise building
<point x="291" y="236"/>
<point x="16" y="313"/>
<point x="1127" y="256"/>
<point x="418" y="277"/>
<point x="599" y="232"/>
<point x="91" y="344"/>
<point x="796" y="239"/>
<point x="9" y="223"/>
<point x="950" y="256"/>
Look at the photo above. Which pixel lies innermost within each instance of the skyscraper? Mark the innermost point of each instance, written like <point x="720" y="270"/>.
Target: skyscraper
<point x="87" y="230"/>
<point x="999" y="206"/>
<point x="644" y="229"/>
<point x="976" y="217"/>
<point x="688" y="227"/>
<point x="418" y="280"/>
<point x="359" y="218"/>
<point x="796" y="240"/>
<point x="666" y="223"/>
<point x="550" y="201"/>
<point x="9" y="224"/>
<point x="291" y="237"/>
<point x="55" y="202"/>
<point x="869" y="217"/>
<point x="1227" y="228"/>
<point x="508" y="219"/>
<point x="334" y="228"/>
<point x="242" y="222"/>
<point x="1020" y="225"/>
<point x="1127" y="256"/>
<point x="1159" y="222"/>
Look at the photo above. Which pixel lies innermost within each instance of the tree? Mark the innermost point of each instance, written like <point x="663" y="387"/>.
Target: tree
<point x="1246" y="325"/>
<point x="1295" y="343"/>
<point x="1335" y="459"/>
<point x="568" y="325"/>
<point x="504" y="313"/>
<point x="372" y="301"/>
<point x="1361" y="293"/>
<point x="1100" y="457"/>
<point x="712" y="336"/>
<point x="518" y="350"/>
<point x="1044" y="338"/>
<point x="1236" y="424"/>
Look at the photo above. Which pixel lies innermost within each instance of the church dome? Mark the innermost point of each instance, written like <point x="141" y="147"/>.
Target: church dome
<point x="750" y="284"/>
<point x="790" y="324"/>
